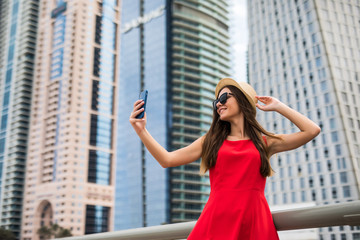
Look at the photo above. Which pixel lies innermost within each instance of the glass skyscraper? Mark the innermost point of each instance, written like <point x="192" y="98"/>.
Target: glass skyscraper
<point x="306" y="53"/>
<point x="177" y="50"/>
<point x="71" y="146"/>
<point x="18" y="26"/>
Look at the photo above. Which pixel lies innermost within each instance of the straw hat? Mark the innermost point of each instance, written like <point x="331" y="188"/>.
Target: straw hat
<point x="244" y="87"/>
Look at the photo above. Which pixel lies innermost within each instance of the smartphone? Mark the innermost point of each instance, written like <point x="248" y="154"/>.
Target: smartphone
<point x="143" y="96"/>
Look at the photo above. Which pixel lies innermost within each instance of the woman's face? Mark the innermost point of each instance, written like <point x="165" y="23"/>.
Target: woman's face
<point x="230" y="108"/>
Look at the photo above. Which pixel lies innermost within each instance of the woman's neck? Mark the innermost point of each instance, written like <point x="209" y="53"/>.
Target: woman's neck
<point x="237" y="128"/>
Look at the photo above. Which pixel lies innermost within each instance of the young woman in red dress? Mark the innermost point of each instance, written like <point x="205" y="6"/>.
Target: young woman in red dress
<point x="236" y="151"/>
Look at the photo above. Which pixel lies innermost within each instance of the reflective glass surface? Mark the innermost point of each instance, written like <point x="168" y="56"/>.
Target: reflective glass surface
<point x="6" y="92"/>
<point x="100" y="131"/>
<point x="139" y="177"/>
<point x="158" y="111"/>
<point x="101" y="125"/>
<point x="99" y="167"/>
<point x="97" y="219"/>
<point x="128" y="195"/>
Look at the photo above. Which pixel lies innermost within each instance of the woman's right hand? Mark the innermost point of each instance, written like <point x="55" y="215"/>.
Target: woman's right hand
<point x="138" y="124"/>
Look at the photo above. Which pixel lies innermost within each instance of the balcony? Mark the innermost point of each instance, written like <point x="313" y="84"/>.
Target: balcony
<point x="302" y="218"/>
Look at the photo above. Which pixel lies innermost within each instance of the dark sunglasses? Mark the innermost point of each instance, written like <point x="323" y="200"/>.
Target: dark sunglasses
<point x="222" y="99"/>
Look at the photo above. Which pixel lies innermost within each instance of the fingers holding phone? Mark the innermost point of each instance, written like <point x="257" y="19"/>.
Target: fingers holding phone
<point x="143" y="96"/>
<point x="137" y="110"/>
<point x="138" y="115"/>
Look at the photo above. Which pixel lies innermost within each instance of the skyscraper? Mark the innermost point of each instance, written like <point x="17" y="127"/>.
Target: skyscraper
<point x="177" y="50"/>
<point x="18" y="25"/>
<point x="70" y="162"/>
<point x="306" y="53"/>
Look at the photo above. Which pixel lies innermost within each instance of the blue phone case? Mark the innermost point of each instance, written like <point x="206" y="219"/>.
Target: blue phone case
<point x="143" y="96"/>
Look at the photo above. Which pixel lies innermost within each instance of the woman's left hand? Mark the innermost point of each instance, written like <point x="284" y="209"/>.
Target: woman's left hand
<point x="271" y="103"/>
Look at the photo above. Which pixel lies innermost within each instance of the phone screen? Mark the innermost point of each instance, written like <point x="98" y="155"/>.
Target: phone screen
<point x="143" y="96"/>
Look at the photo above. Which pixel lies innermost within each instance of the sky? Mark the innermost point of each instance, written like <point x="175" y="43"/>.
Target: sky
<point x="239" y="38"/>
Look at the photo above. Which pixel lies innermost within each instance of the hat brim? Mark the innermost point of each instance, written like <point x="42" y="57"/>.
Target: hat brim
<point x="244" y="87"/>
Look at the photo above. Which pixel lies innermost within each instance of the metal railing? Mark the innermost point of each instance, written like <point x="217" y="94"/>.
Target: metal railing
<point x="310" y="217"/>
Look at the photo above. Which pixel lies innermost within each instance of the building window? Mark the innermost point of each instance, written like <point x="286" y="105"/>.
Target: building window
<point x="303" y="196"/>
<point x="311" y="182"/>
<point x="343" y="177"/>
<point x="332" y="178"/>
<point x="334" y="137"/>
<point x="101" y="131"/>
<point x="323" y="193"/>
<point x="274" y="199"/>
<point x="97" y="219"/>
<point x="323" y="83"/>
<point x="346" y="191"/>
<point x="284" y="198"/>
<point x="293" y="197"/>
<point x="338" y="149"/>
<point x="334" y="193"/>
<point x="321" y="181"/>
<point x="99" y="167"/>
<point x="273" y="186"/>
<point x="356" y="236"/>
<point x="313" y="195"/>
<point x="309" y="168"/>
<point x="302" y="182"/>
<point x="318" y="165"/>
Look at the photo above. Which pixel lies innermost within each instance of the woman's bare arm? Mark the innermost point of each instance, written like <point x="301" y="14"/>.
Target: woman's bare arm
<point x="308" y="129"/>
<point x="166" y="159"/>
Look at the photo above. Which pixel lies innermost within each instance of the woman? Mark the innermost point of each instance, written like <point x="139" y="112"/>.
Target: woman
<point x="236" y="150"/>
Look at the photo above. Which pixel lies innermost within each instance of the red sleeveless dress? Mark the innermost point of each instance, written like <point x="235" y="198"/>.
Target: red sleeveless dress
<point x="237" y="208"/>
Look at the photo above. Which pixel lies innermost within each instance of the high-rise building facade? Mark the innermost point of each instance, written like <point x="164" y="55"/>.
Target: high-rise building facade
<point x="71" y="145"/>
<point x="18" y="26"/>
<point x="306" y="53"/>
<point x="177" y="50"/>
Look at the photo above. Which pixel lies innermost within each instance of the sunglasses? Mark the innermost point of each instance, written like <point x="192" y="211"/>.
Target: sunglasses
<point x="222" y="99"/>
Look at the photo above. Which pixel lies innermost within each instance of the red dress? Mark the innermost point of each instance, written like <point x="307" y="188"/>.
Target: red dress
<point x="237" y="208"/>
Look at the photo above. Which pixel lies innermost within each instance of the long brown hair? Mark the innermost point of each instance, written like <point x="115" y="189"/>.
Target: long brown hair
<point x="219" y="130"/>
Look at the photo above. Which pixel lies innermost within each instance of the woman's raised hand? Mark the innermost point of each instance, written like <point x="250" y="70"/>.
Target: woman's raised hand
<point x="271" y="103"/>
<point x="136" y="123"/>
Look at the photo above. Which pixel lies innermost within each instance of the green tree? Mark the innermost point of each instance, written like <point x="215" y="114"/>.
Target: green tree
<point x="6" y="234"/>
<point x="53" y="231"/>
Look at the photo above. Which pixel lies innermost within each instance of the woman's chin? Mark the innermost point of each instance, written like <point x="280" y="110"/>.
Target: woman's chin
<point x="223" y="118"/>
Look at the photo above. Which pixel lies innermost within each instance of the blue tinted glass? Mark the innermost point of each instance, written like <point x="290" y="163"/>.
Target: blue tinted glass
<point x="97" y="219"/>
<point x="13" y="30"/>
<point x="152" y="5"/>
<point x="6" y="99"/>
<point x="156" y="82"/>
<point x="11" y="52"/>
<point x="15" y="9"/>
<point x="8" y="76"/>
<point x="3" y="122"/>
<point x="57" y="56"/>
<point x="1" y="167"/>
<point x="99" y="167"/>
<point x="2" y="146"/>
<point x="110" y="3"/>
<point x="128" y="194"/>
<point x="130" y="10"/>
<point x="129" y="203"/>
